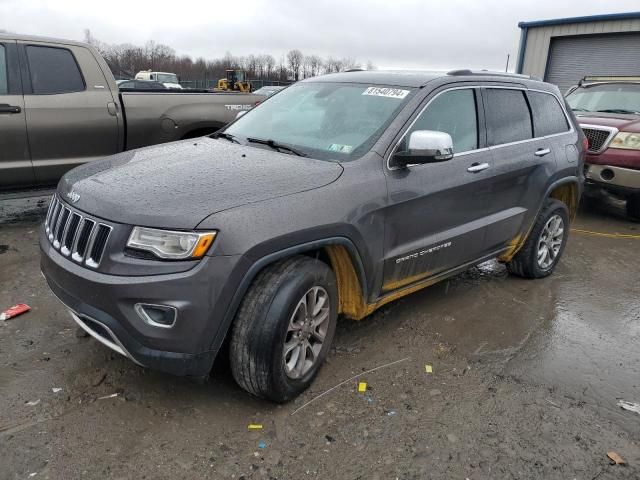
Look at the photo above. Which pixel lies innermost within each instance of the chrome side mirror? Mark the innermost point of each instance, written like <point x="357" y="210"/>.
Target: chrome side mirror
<point x="425" y="146"/>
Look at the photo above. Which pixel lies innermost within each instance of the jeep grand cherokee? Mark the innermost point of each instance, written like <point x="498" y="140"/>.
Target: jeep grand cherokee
<point x="334" y="197"/>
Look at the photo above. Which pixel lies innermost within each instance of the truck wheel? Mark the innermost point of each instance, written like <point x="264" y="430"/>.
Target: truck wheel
<point x="284" y="328"/>
<point x="633" y="207"/>
<point x="545" y="244"/>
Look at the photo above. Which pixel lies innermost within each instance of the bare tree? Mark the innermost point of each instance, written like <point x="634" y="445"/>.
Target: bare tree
<point x="125" y="60"/>
<point x="370" y="65"/>
<point x="294" y="58"/>
<point x="306" y="66"/>
<point x="269" y="64"/>
<point x="349" y="63"/>
<point x="333" y="65"/>
<point x="316" y="65"/>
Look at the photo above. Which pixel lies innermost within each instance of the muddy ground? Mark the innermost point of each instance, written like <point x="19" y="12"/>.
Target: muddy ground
<point x="526" y="377"/>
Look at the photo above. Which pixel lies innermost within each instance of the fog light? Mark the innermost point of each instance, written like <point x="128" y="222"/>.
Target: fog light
<point x="607" y="174"/>
<point x="162" y="316"/>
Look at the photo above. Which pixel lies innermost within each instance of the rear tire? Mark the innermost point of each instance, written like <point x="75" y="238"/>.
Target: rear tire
<point x="545" y="244"/>
<point x="272" y="324"/>
<point x="633" y="207"/>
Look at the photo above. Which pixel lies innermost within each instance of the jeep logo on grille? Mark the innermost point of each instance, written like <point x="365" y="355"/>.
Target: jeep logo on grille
<point x="73" y="196"/>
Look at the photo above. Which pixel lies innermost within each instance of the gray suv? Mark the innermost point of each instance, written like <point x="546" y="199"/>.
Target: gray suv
<point x="336" y="196"/>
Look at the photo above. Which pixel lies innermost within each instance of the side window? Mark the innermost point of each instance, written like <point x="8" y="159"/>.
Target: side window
<point x="452" y="112"/>
<point x="548" y="116"/>
<point x="53" y="70"/>
<point x="507" y="115"/>
<point x="4" y="84"/>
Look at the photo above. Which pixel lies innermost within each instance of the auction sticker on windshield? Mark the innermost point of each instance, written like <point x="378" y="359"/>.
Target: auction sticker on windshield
<point x="386" y="92"/>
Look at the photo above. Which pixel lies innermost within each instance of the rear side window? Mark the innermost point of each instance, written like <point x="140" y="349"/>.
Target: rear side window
<point x="4" y="85"/>
<point x="507" y="115"/>
<point x="548" y="116"/>
<point x="452" y="112"/>
<point x="53" y="70"/>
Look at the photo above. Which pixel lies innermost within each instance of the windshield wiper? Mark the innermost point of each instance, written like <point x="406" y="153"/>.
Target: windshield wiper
<point x="579" y="109"/>
<point x="618" y="110"/>
<point x="276" y="146"/>
<point x="226" y="136"/>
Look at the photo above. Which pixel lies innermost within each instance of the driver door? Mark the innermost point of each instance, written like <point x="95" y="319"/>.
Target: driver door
<point x="437" y="212"/>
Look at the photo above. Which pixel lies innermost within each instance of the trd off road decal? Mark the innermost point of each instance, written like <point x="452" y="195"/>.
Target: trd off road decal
<point x="238" y="107"/>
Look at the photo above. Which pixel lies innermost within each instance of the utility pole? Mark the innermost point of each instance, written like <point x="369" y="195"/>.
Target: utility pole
<point x="506" y="69"/>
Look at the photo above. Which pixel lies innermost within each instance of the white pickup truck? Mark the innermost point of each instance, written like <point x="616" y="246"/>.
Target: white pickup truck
<point x="60" y="107"/>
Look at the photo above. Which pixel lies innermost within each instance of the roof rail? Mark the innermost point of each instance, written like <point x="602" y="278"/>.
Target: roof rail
<point x="466" y="71"/>
<point x="609" y="78"/>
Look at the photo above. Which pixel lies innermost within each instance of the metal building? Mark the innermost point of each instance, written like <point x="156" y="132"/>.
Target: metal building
<point x="564" y="50"/>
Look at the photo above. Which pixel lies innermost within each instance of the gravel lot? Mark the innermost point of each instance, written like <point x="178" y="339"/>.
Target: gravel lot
<point x="526" y="377"/>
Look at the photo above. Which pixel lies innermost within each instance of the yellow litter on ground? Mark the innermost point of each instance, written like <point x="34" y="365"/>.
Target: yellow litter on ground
<point x="428" y="368"/>
<point x="362" y="387"/>
<point x="254" y="426"/>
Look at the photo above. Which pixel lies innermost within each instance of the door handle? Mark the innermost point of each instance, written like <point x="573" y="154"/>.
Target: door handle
<point x="6" y="108"/>
<point x="477" y="167"/>
<point x="541" y="152"/>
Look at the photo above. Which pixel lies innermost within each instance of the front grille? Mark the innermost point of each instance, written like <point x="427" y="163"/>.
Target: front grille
<point x="74" y="235"/>
<point x="598" y="138"/>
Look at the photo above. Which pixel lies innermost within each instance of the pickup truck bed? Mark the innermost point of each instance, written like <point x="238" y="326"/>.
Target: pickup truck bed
<point x="158" y="117"/>
<point x="60" y="107"/>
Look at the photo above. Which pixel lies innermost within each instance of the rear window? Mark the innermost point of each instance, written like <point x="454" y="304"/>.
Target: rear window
<point x="53" y="70"/>
<point x="4" y="88"/>
<point x="548" y="116"/>
<point x="507" y="115"/>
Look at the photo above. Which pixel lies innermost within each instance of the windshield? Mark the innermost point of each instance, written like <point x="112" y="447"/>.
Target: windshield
<point x="613" y="97"/>
<point x="167" y="78"/>
<point x="324" y="120"/>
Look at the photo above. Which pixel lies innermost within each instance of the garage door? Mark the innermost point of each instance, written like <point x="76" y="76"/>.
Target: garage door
<point x="571" y="58"/>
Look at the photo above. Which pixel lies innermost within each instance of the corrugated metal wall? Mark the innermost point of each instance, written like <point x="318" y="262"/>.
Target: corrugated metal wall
<point x="571" y="58"/>
<point x="539" y="39"/>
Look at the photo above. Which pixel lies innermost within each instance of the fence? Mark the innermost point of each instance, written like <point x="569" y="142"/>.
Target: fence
<point x="208" y="84"/>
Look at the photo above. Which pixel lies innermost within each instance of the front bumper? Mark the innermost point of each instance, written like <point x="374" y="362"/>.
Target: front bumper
<point x="617" y="179"/>
<point x="103" y="305"/>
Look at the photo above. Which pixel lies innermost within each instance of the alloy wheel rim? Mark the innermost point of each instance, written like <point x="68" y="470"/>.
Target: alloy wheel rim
<point x="306" y="333"/>
<point x="550" y="241"/>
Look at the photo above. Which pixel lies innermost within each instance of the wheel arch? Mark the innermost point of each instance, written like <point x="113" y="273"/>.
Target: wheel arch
<point x="566" y="190"/>
<point x="201" y="129"/>
<point x="342" y="256"/>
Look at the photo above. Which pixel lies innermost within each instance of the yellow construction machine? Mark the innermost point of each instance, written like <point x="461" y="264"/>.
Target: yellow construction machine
<point x="236" y="81"/>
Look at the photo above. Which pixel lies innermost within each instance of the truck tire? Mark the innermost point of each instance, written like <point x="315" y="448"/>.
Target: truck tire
<point x="633" y="207"/>
<point x="284" y="327"/>
<point x="541" y="252"/>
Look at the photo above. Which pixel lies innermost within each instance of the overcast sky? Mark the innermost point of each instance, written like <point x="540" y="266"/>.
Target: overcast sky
<point x="429" y="34"/>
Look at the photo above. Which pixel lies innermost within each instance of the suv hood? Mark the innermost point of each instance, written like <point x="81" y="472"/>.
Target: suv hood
<point x="621" y="121"/>
<point x="177" y="185"/>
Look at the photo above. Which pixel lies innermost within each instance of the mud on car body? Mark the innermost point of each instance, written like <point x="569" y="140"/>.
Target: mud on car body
<point x="334" y="197"/>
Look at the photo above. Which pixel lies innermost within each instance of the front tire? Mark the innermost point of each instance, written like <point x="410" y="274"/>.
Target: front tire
<point x="284" y="328"/>
<point x="545" y="244"/>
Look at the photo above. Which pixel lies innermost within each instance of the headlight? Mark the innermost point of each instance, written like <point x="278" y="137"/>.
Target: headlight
<point x="627" y="140"/>
<point x="171" y="245"/>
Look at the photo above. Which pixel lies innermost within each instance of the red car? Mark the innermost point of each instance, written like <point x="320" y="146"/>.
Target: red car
<point x="608" y="109"/>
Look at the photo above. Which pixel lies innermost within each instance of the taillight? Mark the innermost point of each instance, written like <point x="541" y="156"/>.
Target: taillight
<point x="585" y="143"/>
